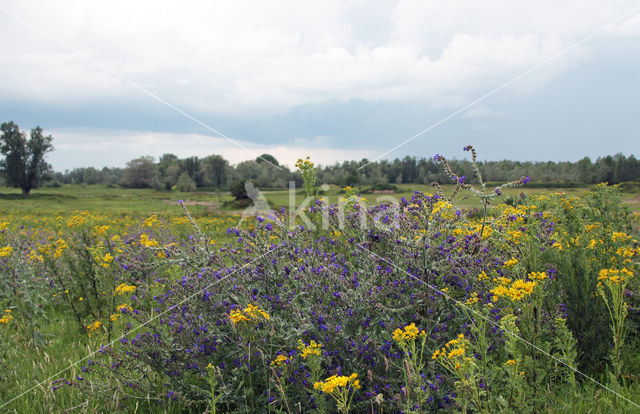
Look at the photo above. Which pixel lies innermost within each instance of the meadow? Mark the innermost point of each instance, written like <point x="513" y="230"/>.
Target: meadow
<point x="126" y="300"/>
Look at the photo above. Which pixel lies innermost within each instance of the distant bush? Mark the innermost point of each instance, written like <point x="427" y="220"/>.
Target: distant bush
<point x="381" y="187"/>
<point x="238" y="190"/>
<point x="53" y="184"/>
<point x="630" y="186"/>
<point x="185" y="183"/>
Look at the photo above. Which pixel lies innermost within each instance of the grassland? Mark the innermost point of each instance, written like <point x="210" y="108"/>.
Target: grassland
<point x="114" y="201"/>
<point x="44" y="337"/>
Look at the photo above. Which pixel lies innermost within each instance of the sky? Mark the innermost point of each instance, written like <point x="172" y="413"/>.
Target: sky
<point x="333" y="79"/>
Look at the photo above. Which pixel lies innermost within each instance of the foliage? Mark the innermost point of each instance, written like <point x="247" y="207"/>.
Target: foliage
<point x="268" y="158"/>
<point x="139" y="173"/>
<point x="412" y="306"/>
<point x="24" y="165"/>
<point x="238" y="190"/>
<point x="185" y="183"/>
<point x="307" y="169"/>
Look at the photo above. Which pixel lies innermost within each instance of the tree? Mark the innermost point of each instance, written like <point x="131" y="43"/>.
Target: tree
<point x="269" y="159"/>
<point x="139" y="173"/>
<point x="24" y="166"/>
<point x="192" y="167"/>
<point x="239" y="190"/>
<point x="216" y="170"/>
<point x="185" y="183"/>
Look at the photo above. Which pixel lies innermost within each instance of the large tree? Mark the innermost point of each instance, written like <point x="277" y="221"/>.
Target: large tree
<point x="139" y="173"/>
<point x="216" y="170"/>
<point x="24" y="166"/>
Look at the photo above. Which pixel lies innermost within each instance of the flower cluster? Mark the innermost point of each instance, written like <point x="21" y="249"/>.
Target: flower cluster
<point x="123" y="288"/>
<point x="314" y="348"/>
<point x="6" y="318"/>
<point x="614" y="275"/>
<point x="453" y="354"/>
<point x="334" y="382"/>
<point x="280" y="359"/>
<point x="251" y="313"/>
<point x="515" y="291"/>
<point x="93" y="327"/>
<point x="409" y="332"/>
<point x="148" y="242"/>
<point x="5" y="251"/>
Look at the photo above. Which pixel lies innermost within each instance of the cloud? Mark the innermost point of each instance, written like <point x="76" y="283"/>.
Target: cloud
<point x="261" y="57"/>
<point x="87" y="147"/>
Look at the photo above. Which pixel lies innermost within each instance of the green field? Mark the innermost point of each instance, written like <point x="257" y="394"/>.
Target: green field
<point x="67" y="252"/>
<point x="143" y="202"/>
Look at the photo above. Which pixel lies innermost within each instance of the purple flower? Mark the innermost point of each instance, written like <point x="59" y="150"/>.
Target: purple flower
<point x="467" y="148"/>
<point x="461" y="179"/>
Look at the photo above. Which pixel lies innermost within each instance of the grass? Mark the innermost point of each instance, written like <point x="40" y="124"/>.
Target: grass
<point x="143" y="202"/>
<point x="61" y="343"/>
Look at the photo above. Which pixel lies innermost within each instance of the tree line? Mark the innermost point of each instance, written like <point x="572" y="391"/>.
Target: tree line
<point x="188" y="174"/>
<point x="24" y="167"/>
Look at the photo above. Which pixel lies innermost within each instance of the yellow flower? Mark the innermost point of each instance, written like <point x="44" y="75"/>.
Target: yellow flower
<point x="280" y="359"/>
<point x="147" y="242"/>
<point x="105" y="261"/>
<point x="6" y="251"/>
<point x="510" y="362"/>
<point x="538" y="275"/>
<point x="123" y="288"/>
<point x="472" y="299"/>
<point x="511" y="262"/>
<point x="409" y="332"/>
<point x="100" y="230"/>
<point x="314" y="348"/>
<point x="60" y="246"/>
<point x="150" y="221"/>
<point x="620" y="237"/>
<point x="250" y="313"/>
<point x="443" y="210"/>
<point x="124" y="308"/>
<point x="330" y="384"/>
<point x="456" y="352"/>
<point x="94" y="326"/>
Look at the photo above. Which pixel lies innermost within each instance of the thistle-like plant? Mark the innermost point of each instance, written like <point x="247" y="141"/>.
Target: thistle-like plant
<point x="460" y="181"/>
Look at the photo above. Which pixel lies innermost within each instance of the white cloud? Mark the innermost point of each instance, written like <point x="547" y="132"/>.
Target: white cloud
<point x="87" y="147"/>
<point x="273" y="56"/>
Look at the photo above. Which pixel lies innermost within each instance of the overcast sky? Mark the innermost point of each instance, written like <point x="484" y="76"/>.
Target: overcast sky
<point x="331" y="79"/>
